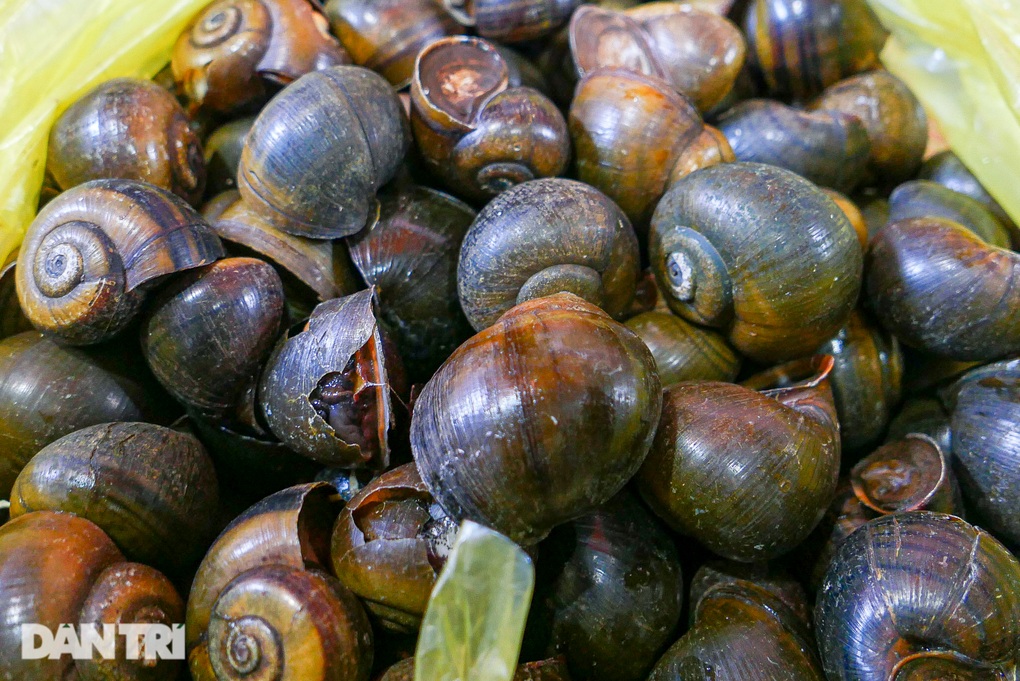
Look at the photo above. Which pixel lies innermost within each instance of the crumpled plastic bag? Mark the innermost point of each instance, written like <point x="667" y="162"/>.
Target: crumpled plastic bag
<point x="51" y="52"/>
<point x="962" y="60"/>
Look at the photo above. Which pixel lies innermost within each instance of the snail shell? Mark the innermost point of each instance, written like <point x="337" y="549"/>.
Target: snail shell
<point x="684" y="351"/>
<point x="492" y="443"/>
<point x="512" y="21"/>
<point x="91" y="253"/>
<point x="320" y="150"/>
<point x="232" y="46"/>
<point x="131" y="129"/>
<point x="913" y="588"/>
<point x="476" y="133"/>
<point x="941" y="289"/>
<point x="759" y="252"/>
<point x="541" y="238"/>
<point x="924" y="198"/>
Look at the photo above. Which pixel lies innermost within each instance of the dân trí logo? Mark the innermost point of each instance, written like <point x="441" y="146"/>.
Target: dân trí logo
<point x="86" y="641"/>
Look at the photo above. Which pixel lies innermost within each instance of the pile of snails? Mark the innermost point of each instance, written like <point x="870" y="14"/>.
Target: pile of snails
<point x="678" y="296"/>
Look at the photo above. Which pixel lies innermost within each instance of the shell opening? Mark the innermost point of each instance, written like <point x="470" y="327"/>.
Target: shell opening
<point x="496" y="178"/>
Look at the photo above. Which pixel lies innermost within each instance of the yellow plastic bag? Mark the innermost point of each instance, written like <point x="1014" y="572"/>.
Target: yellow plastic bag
<point x="51" y="52"/>
<point x="962" y="60"/>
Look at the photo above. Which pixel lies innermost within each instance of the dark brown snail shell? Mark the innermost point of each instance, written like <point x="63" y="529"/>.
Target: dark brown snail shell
<point x="800" y="48"/>
<point x="629" y="132"/>
<point x="710" y="148"/>
<point x="223" y="155"/>
<point x="389" y="543"/>
<point x="749" y="474"/>
<point x="130" y="129"/>
<point x="895" y="120"/>
<point x="90" y="255"/>
<point x="768" y="576"/>
<point x="924" y="199"/>
<point x="48" y="391"/>
<point x="207" y="335"/>
<point x="386" y="36"/>
<point x="289" y="528"/>
<point x="909" y="587"/>
<point x="512" y="21"/>
<point x="320" y="150"/>
<point x="684" y="351"/>
<point x="912" y="474"/>
<point x="409" y="255"/>
<point x="741" y="631"/>
<point x="131" y="593"/>
<point x="12" y="319"/>
<point x="947" y="169"/>
<point x="986" y="445"/>
<point x="152" y="489"/>
<point x="759" y="252"/>
<point x="696" y="52"/>
<point x="941" y="289"/>
<point x="493" y="444"/>
<point x="541" y="238"/>
<point x="278" y="621"/>
<point x="613" y="602"/>
<point x="476" y="133"/>
<point x="827" y="147"/>
<point x="311" y="269"/>
<point x="225" y="57"/>
<point x="867" y="380"/>
<point x="326" y="391"/>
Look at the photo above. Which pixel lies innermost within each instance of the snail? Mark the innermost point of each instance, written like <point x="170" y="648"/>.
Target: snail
<point x="747" y="473"/>
<point x="389" y="543"/>
<point x="326" y="391"/>
<point x="153" y="490"/>
<point x="827" y="147"/>
<point x="939" y="288"/>
<point x="476" y="133"/>
<point x="894" y="118"/>
<point x="538" y="419"/>
<point x="91" y="254"/>
<point x="924" y="198"/>
<point x="986" y="446"/>
<point x="59" y="569"/>
<point x="741" y="631"/>
<point x="760" y="253"/>
<point x="684" y="351"/>
<point x="207" y="335"/>
<point x="543" y="237"/>
<point x="917" y="595"/>
<point x="612" y="604"/>
<point x="289" y="528"/>
<point x="277" y="621"/>
<point x="630" y="132"/>
<point x="223" y="155"/>
<point x="387" y="36"/>
<point x="512" y="21"/>
<point x="131" y="129"/>
<point x="409" y="255"/>
<point x="48" y="391"/>
<point x="695" y="51"/>
<point x="12" y="320"/>
<point x="866" y="379"/>
<point x="768" y="576"/>
<point x="233" y="49"/>
<point x="710" y="148"/>
<point x="801" y="48"/>
<point x="925" y="416"/>
<point x="912" y="474"/>
<point x="318" y="152"/>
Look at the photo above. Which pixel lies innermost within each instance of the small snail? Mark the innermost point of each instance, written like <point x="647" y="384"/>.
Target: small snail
<point x="130" y="129"/>
<point x="319" y="151"/>
<point x="912" y="474"/>
<point x="543" y="237"/>
<point x="538" y="419"/>
<point x="224" y="59"/>
<point x="152" y="489"/>
<point x="747" y="473"/>
<point x="512" y="21"/>
<point x="684" y="351"/>
<point x="476" y="133"/>
<point x="940" y="288"/>
<point x="917" y="596"/>
<point x="760" y="253"/>
<point x="924" y="199"/>
<point x="90" y="255"/>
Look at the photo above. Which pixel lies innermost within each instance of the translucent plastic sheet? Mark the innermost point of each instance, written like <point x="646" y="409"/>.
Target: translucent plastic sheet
<point x="962" y="59"/>
<point x="51" y="51"/>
